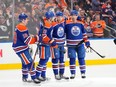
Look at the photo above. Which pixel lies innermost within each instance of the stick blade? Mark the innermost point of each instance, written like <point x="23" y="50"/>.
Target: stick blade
<point x="102" y="56"/>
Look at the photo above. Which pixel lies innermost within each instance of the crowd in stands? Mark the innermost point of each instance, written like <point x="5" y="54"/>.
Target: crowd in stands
<point x="98" y="16"/>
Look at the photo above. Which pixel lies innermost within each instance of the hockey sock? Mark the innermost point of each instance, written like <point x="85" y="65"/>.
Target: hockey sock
<point x="61" y="66"/>
<point x="72" y="65"/>
<point x="55" y="66"/>
<point x="24" y="71"/>
<point x="82" y="65"/>
<point x="32" y="72"/>
<point x="43" y="74"/>
<point x="40" y="67"/>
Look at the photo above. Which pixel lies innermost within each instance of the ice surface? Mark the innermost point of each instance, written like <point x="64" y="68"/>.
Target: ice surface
<point x="97" y="76"/>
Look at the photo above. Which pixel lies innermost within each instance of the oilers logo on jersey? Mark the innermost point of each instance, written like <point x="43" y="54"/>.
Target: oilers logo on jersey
<point x="75" y="30"/>
<point x="60" y="32"/>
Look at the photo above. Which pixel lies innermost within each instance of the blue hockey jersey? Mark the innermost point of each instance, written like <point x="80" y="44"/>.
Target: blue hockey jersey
<point x="46" y="30"/>
<point x="22" y="38"/>
<point x="75" y="32"/>
<point x="58" y="32"/>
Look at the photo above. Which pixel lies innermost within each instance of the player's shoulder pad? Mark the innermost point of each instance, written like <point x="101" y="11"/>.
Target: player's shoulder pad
<point x="63" y="20"/>
<point x="47" y="24"/>
<point x="68" y="20"/>
<point x="21" y="27"/>
<point x="80" y="22"/>
<point x="54" y="23"/>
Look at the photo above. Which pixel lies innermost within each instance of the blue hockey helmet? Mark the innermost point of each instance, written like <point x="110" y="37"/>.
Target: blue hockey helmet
<point x="49" y="14"/>
<point x="59" y="13"/>
<point x="74" y="12"/>
<point x="22" y="16"/>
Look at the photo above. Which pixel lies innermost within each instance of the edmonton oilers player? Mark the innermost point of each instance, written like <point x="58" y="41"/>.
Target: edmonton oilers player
<point x="46" y="30"/>
<point x="58" y="54"/>
<point x="75" y="33"/>
<point x="20" y="45"/>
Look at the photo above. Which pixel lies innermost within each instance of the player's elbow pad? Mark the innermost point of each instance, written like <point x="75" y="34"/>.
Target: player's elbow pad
<point x="45" y="39"/>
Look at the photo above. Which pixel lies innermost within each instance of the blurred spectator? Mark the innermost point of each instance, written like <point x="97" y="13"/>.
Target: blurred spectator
<point x="36" y="9"/>
<point x="113" y="25"/>
<point x="90" y="13"/>
<point x="87" y="26"/>
<point x="98" y="27"/>
<point x="50" y="5"/>
<point x="113" y="5"/>
<point x="6" y="20"/>
<point x="5" y="32"/>
<point x="83" y="15"/>
<point x="63" y="4"/>
<point x="87" y="5"/>
<point x="66" y="13"/>
<point x="97" y="12"/>
<point x="96" y="5"/>
<point x="76" y="7"/>
<point x="107" y="11"/>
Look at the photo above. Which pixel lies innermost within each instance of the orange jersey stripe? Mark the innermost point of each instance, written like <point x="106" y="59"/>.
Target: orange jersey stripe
<point x="42" y="52"/>
<point x="25" y="58"/>
<point x="21" y="27"/>
<point x="33" y="40"/>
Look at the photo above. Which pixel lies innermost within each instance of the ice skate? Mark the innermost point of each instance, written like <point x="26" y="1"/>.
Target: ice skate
<point x="24" y="79"/>
<point x="57" y="77"/>
<point x="42" y="78"/>
<point x="83" y="75"/>
<point x="64" y="77"/>
<point x="36" y="81"/>
<point x="72" y="76"/>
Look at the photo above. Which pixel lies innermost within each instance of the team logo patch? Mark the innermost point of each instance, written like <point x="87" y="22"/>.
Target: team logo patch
<point x="60" y="31"/>
<point x="25" y="35"/>
<point x="75" y="31"/>
<point x="44" y="31"/>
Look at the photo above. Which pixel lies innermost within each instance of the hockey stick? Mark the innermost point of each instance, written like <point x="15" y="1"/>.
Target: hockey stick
<point x="38" y="44"/>
<point x="97" y="52"/>
<point x="34" y="57"/>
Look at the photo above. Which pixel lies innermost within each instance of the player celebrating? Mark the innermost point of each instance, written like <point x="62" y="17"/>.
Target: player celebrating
<point x="58" y="54"/>
<point x="20" y="45"/>
<point x="47" y="40"/>
<point x="75" y="33"/>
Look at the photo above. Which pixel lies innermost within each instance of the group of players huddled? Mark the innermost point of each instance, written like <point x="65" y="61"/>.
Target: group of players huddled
<point x="55" y="31"/>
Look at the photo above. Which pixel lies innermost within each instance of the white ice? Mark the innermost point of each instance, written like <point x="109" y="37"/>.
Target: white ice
<point x="97" y="76"/>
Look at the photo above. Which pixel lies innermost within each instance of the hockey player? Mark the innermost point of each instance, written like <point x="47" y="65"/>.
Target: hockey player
<point x="47" y="41"/>
<point x="58" y="54"/>
<point x="20" y="45"/>
<point x="75" y="33"/>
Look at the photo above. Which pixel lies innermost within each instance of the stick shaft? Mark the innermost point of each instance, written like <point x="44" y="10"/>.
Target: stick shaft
<point x="34" y="58"/>
<point x="96" y="52"/>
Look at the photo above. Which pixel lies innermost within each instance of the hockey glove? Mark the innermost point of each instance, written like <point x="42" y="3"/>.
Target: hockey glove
<point x="87" y="44"/>
<point x="53" y="44"/>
